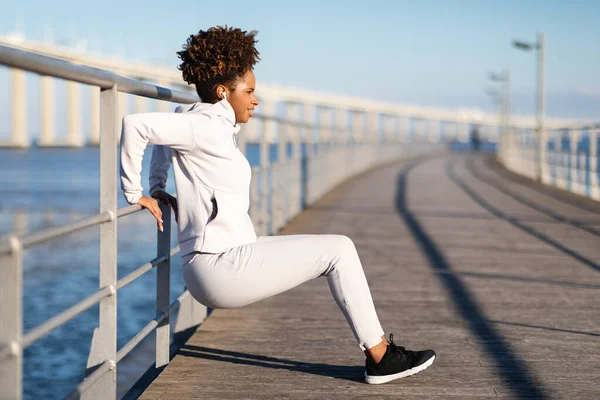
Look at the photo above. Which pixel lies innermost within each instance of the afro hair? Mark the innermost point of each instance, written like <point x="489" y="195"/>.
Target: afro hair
<point x="217" y="56"/>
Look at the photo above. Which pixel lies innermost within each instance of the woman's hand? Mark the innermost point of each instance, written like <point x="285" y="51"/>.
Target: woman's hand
<point x="166" y="198"/>
<point x="152" y="206"/>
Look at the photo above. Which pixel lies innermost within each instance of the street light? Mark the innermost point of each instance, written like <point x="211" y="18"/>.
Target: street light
<point x="504" y="101"/>
<point x="539" y="46"/>
<point x="523" y="45"/>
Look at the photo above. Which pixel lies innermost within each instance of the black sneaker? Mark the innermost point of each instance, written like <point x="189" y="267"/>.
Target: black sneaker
<point x="397" y="362"/>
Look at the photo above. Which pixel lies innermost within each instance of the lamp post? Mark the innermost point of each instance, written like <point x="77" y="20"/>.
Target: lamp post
<point x="504" y="100"/>
<point x="541" y="151"/>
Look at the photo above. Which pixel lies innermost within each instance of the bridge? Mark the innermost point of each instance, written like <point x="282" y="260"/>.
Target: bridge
<point x="489" y="259"/>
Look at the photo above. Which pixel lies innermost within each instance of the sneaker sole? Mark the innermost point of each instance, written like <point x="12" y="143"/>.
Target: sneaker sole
<point x="377" y="380"/>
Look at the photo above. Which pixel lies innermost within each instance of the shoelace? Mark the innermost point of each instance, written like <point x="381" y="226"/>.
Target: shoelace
<point x="401" y="350"/>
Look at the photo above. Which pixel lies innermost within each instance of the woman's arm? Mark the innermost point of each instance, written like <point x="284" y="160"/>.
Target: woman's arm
<point x="160" y="164"/>
<point x="159" y="172"/>
<point x="159" y="168"/>
<point x="173" y="130"/>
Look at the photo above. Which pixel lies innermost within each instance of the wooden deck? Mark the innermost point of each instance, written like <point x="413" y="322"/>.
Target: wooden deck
<point x="500" y="277"/>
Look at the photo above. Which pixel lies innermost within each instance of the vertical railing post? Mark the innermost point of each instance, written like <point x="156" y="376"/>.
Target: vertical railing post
<point x="291" y="113"/>
<point x="104" y="341"/>
<point x="353" y="150"/>
<point x="340" y="143"/>
<point x="11" y="318"/>
<point x="531" y="144"/>
<point x="268" y="135"/>
<point x="372" y="138"/>
<point x="395" y="134"/>
<point x="565" y="158"/>
<point x="281" y="177"/>
<point x="504" y="146"/>
<point x="417" y="128"/>
<point x="464" y="132"/>
<point x="389" y="127"/>
<point x="250" y="133"/>
<point x="163" y="288"/>
<point x="558" y="160"/>
<point x="405" y="129"/>
<point x="324" y="176"/>
<point x="573" y="184"/>
<point x="308" y="118"/>
<point x="434" y="130"/>
<point x="385" y="147"/>
<point x="424" y="129"/>
<point x="122" y="109"/>
<point x="593" y="163"/>
<point x="264" y="181"/>
<point x="457" y="135"/>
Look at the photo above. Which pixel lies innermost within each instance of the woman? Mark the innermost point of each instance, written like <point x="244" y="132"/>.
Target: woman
<point x="224" y="264"/>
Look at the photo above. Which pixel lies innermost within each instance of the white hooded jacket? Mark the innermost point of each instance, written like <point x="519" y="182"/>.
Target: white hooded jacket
<point x="212" y="175"/>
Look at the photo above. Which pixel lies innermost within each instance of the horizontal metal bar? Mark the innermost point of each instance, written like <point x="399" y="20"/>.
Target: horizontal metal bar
<point x="50" y="66"/>
<point x="67" y="315"/>
<point x="127" y="279"/>
<point x="287" y="121"/>
<point x="576" y="127"/>
<point x="51" y="233"/>
<point x="176" y="303"/>
<point x="91" y="379"/>
<point x="140" y="336"/>
<point x="155" y="322"/>
<point x="150" y="327"/>
<point x="132" y="209"/>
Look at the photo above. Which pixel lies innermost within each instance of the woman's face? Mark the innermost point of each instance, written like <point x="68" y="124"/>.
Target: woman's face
<point x="242" y="99"/>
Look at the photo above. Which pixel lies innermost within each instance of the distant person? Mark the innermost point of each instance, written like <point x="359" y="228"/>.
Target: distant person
<point x="225" y="265"/>
<point x="475" y="138"/>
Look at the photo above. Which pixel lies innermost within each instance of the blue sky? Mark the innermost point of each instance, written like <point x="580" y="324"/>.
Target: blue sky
<point x="434" y="53"/>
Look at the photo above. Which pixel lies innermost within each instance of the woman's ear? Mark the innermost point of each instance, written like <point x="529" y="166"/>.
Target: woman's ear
<point x="221" y="93"/>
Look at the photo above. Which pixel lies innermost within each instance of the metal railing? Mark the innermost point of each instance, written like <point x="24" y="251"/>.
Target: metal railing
<point x="280" y="190"/>
<point x="568" y="159"/>
<point x="100" y="381"/>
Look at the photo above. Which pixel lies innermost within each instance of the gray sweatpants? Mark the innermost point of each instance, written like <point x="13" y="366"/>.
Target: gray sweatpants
<point x="274" y="264"/>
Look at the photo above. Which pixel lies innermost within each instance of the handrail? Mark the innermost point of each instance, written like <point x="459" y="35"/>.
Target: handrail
<point x="132" y="276"/>
<point x="145" y="331"/>
<point x="65" y="316"/>
<point x="11" y="250"/>
<point x="132" y="209"/>
<point x="575" y="126"/>
<point x="57" y="68"/>
<point x="45" y="235"/>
